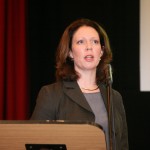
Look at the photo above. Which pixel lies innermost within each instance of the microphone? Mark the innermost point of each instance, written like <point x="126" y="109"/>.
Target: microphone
<point x="111" y="120"/>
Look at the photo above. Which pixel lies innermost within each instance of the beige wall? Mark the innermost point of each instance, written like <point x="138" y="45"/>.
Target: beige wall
<point x="145" y="45"/>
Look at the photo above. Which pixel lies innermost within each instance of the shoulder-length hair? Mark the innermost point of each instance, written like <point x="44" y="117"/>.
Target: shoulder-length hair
<point x="65" y="66"/>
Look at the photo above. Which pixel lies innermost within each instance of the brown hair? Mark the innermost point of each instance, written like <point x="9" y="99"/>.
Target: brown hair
<point x="65" y="66"/>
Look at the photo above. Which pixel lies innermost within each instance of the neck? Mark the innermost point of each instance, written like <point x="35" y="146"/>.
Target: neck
<point x="88" y="85"/>
<point x="87" y="79"/>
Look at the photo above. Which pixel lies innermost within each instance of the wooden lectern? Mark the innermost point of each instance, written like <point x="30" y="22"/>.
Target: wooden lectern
<point x="16" y="135"/>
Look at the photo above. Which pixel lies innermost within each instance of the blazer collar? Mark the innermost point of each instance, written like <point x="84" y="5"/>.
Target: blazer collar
<point x="72" y="90"/>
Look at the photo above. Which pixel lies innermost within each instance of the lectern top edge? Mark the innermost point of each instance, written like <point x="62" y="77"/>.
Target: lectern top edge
<point x="49" y="122"/>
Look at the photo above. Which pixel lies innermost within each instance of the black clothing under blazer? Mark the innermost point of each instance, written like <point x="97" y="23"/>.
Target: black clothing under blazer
<point x="65" y="101"/>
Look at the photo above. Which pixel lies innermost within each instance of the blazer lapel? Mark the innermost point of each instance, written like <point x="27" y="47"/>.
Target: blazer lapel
<point x="72" y="90"/>
<point x="103" y="91"/>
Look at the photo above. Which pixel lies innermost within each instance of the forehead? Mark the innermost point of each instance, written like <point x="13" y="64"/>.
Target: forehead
<point x="86" y="31"/>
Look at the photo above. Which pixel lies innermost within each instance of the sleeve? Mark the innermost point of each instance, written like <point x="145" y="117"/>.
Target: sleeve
<point x="45" y="108"/>
<point x="121" y="123"/>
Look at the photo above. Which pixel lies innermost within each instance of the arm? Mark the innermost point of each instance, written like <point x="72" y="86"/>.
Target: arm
<point x="46" y="104"/>
<point x="120" y="122"/>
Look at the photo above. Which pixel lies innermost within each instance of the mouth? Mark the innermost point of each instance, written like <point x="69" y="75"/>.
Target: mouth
<point x="89" y="57"/>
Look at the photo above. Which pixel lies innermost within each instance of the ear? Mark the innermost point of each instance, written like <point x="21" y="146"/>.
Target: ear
<point x="70" y="54"/>
<point x="102" y="52"/>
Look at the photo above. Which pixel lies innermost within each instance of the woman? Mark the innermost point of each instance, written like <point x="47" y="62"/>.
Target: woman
<point x="80" y="92"/>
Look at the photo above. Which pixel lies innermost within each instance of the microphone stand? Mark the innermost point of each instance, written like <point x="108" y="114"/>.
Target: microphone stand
<point x="111" y="122"/>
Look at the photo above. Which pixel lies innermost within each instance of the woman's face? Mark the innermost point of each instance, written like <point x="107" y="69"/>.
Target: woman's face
<point x="86" y="49"/>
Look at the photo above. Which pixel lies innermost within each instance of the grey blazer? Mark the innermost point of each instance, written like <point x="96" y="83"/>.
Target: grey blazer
<point x="65" y="101"/>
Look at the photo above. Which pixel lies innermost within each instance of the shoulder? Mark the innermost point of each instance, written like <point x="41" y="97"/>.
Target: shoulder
<point x="51" y="90"/>
<point x="118" y="101"/>
<point x="115" y="95"/>
<point x="114" y="92"/>
<point x="52" y="87"/>
<point x="58" y="88"/>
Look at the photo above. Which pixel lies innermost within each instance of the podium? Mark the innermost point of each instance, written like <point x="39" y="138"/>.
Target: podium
<point x="17" y="135"/>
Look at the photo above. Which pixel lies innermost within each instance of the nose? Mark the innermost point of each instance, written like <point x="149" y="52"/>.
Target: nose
<point x="89" y="46"/>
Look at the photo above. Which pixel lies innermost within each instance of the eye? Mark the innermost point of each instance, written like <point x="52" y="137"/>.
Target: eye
<point x="80" y="42"/>
<point x="95" y="41"/>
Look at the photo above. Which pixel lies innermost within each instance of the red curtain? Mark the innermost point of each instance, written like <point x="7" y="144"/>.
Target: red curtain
<point x="13" y="61"/>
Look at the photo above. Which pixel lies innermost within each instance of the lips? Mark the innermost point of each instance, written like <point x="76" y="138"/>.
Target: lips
<point x="89" y="57"/>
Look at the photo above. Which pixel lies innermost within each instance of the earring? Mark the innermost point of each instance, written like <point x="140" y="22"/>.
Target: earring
<point x="71" y="59"/>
